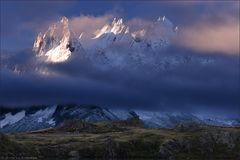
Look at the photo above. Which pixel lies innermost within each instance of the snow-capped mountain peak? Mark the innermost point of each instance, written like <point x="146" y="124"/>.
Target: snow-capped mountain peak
<point x="165" y="21"/>
<point x="113" y="44"/>
<point x="161" y="18"/>
<point x="64" y="20"/>
<point x="176" y="29"/>
<point x="38" y="43"/>
<point x="116" y="27"/>
<point x="58" y="43"/>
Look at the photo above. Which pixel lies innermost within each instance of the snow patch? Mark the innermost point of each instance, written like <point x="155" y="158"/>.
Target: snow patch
<point x="40" y="119"/>
<point x="51" y="122"/>
<point x="58" y="54"/>
<point x="11" y="119"/>
<point x="44" y="114"/>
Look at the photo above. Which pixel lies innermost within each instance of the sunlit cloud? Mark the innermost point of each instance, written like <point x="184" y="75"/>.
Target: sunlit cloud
<point x="211" y="37"/>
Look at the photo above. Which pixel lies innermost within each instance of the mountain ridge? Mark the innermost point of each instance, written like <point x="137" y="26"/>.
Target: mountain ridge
<point x="51" y="116"/>
<point x="58" y="43"/>
<point x="115" y="46"/>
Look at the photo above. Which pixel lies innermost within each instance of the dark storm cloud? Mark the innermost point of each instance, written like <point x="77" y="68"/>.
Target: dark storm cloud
<point x="187" y="87"/>
<point x="35" y="89"/>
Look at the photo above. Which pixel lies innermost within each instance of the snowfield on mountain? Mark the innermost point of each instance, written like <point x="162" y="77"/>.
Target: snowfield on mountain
<point x="114" y="45"/>
<point x="30" y="119"/>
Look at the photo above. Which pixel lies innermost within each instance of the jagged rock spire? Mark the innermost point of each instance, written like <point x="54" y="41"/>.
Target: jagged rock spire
<point x="64" y="20"/>
<point x="38" y="43"/>
<point x="116" y="27"/>
<point x="58" y="42"/>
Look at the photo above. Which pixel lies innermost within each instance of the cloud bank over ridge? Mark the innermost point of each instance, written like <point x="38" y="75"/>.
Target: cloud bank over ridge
<point x="199" y="71"/>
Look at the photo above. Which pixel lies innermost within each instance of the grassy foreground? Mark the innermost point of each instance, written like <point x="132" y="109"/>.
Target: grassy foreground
<point x="123" y="141"/>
